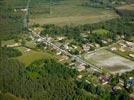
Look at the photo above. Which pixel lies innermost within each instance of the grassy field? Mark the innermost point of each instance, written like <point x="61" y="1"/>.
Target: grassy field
<point x="30" y="56"/>
<point x="68" y="12"/>
<point x="110" y="61"/>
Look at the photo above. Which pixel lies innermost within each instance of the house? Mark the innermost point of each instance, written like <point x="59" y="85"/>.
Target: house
<point x="27" y="50"/>
<point x="13" y="45"/>
<point x="24" y="10"/>
<point x="97" y="45"/>
<point x="81" y="67"/>
<point x="75" y="47"/>
<point x="79" y="77"/>
<point x="104" y="79"/>
<point x="84" y="35"/>
<point x="104" y="42"/>
<point x="122" y="49"/>
<point x="113" y="48"/>
<point x="59" y="53"/>
<point x="131" y="82"/>
<point x="49" y="38"/>
<point x="39" y="40"/>
<point x="131" y="96"/>
<point x="86" y="47"/>
<point x="63" y="57"/>
<point x="116" y="88"/>
<point x="131" y="55"/>
<point x="61" y="38"/>
<point x="15" y="10"/>
<point x="130" y="45"/>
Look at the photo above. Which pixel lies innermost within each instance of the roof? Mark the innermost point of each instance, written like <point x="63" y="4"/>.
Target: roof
<point x="131" y="81"/>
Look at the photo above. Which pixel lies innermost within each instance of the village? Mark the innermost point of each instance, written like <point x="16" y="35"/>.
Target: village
<point x="72" y="55"/>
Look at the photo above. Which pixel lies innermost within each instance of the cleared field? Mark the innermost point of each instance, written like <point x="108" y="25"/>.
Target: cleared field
<point x="110" y="61"/>
<point x="68" y="13"/>
<point x="30" y="56"/>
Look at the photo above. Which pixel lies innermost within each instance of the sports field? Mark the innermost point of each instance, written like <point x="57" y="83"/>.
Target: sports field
<point x="67" y="12"/>
<point x="110" y="61"/>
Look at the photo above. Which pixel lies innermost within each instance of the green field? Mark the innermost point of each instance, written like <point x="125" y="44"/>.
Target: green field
<point x="30" y="56"/>
<point x="67" y="12"/>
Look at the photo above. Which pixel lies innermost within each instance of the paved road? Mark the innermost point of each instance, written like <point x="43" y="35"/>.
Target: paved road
<point x="67" y="53"/>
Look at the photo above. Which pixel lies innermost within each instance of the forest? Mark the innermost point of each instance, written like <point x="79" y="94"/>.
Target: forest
<point x="47" y="79"/>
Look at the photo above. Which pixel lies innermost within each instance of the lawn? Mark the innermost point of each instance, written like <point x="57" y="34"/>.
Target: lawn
<point x="68" y="12"/>
<point x="32" y="55"/>
<point x="110" y="61"/>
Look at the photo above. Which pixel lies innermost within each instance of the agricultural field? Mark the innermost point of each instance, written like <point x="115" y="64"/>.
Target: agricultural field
<point x="110" y="61"/>
<point x="127" y="10"/>
<point x="30" y="55"/>
<point x="67" y="12"/>
<point x="127" y="7"/>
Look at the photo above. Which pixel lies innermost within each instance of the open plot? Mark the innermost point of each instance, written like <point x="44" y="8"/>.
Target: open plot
<point x="30" y="55"/>
<point x="110" y="61"/>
